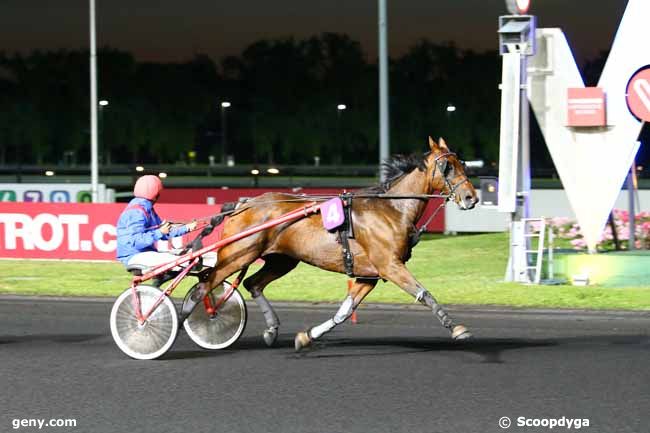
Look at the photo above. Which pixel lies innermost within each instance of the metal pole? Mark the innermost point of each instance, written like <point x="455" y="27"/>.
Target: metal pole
<point x="384" y="140"/>
<point x="523" y="177"/>
<point x="94" y="171"/>
<point x="224" y="144"/>
<point x="100" y="135"/>
<point x="339" y="144"/>
<point x="631" y="207"/>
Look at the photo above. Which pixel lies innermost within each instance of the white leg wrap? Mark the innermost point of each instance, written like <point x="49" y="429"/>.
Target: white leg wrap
<point x="345" y="310"/>
<point x="321" y="329"/>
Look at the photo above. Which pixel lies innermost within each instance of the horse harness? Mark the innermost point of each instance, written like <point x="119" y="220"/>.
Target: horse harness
<point x="346" y="229"/>
<point x="346" y="232"/>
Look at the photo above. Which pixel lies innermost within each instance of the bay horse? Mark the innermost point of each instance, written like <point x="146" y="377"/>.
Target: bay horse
<point x="383" y="229"/>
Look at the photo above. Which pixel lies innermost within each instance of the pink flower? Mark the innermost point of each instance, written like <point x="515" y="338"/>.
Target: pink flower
<point x="624" y="233"/>
<point x="578" y="243"/>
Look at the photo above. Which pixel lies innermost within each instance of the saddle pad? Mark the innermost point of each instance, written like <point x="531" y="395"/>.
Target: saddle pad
<point x="332" y="213"/>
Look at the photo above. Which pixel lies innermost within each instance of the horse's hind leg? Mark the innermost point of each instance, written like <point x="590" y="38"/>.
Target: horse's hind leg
<point x="229" y="263"/>
<point x="275" y="266"/>
<point x="357" y="292"/>
<point x="401" y="276"/>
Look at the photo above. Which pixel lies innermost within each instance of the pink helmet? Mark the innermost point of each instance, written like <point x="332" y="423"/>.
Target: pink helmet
<point x="148" y="187"/>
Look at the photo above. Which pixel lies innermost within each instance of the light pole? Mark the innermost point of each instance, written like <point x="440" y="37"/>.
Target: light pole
<point x="339" y="136"/>
<point x="100" y="132"/>
<point x="384" y="143"/>
<point x="449" y="109"/>
<point x="224" y="137"/>
<point x="94" y="170"/>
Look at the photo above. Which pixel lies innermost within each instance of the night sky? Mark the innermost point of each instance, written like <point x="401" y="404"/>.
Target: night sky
<point x="174" y="30"/>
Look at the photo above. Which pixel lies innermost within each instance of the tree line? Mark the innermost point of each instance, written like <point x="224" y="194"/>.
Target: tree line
<point x="283" y="93"/>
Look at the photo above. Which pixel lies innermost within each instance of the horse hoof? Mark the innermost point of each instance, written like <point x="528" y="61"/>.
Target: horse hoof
<point x="302" y="340"/>
<point x="270" y="336"/>
<point x="460" y="333"/>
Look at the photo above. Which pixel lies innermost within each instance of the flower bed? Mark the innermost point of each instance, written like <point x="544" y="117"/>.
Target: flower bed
<point x="568" y="229"/>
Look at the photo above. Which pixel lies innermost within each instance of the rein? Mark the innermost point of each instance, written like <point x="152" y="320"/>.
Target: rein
<point x="451" y="188"/>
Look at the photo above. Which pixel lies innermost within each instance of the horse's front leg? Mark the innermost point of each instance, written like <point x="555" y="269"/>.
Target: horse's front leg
<point x="397" y="273"/>
<point x="357" y="292"/>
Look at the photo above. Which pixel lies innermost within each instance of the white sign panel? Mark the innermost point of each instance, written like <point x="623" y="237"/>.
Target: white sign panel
<point x="49" y="192"/>
<point x="592" y="163"/>
<point x="509" y="132"/>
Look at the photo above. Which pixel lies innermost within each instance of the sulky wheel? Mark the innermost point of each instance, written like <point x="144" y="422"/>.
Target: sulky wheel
<point x="221" y="329"/>
<point x="151" y="339"/>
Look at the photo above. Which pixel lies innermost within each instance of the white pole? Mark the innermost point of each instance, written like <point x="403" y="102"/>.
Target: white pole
<point x="94" y="172"/>
<point x="384" y="140"/>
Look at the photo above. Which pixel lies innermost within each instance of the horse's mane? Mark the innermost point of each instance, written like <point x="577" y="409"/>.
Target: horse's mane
<point x="397" y="166"/>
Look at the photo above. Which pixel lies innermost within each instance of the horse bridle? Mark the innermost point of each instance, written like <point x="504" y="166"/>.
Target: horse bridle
<point x="442" y="167"/>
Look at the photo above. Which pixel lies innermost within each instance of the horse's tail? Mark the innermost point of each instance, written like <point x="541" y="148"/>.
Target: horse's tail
<point x="217" y="219"/>
<point x="226" y="209"/>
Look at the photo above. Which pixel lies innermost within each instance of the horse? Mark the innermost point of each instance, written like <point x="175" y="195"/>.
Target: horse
<point x="384" y="232"/>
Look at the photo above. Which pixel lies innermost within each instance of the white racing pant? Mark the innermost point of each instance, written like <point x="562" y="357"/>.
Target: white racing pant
<point x="151" y="259"/>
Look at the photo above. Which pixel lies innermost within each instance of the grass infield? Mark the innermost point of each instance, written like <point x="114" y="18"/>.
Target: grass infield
<point x="466" y="269"/>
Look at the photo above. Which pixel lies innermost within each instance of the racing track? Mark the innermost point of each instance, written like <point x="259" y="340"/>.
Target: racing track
<point x="395" y="371"/>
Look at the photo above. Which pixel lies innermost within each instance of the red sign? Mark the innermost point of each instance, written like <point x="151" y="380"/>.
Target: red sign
<point x="74" y="231"/>
<point x="586" y="106"/>
<point x="518" y="6"/>
<point x="638" y="94"/>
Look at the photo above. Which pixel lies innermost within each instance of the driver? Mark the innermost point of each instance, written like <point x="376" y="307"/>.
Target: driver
<point x="139" y="227"/>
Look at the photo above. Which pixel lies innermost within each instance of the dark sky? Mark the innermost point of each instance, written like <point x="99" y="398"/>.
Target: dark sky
<point x="164" y="30"/>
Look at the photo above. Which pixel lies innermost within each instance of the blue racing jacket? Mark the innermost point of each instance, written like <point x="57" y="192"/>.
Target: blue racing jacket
<point x="137" y="229"/>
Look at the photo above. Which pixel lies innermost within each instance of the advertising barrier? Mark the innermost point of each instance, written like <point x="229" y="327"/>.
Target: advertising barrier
<point x="85" y="231"/>
<point x="75" y="231"/>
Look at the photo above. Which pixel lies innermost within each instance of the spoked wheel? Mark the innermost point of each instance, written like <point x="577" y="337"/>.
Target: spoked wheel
<point x="221" y="329"/>
<point x="151" y="339"/>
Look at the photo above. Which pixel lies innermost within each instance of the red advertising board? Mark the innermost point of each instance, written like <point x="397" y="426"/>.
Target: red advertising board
<point x="586" y="106"/>
<point x="73" y="231"/>
<point x="84" y="231"/>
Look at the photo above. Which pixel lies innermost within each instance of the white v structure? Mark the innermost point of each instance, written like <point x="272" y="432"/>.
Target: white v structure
<point x="592" y="163"/>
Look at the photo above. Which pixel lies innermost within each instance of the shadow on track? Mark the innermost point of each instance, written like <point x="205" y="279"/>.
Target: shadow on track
<point x="489" y="349"/>
<point x="54" y="338"/>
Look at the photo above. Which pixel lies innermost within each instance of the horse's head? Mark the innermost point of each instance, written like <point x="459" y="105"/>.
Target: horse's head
<point x="447" y="175"/>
